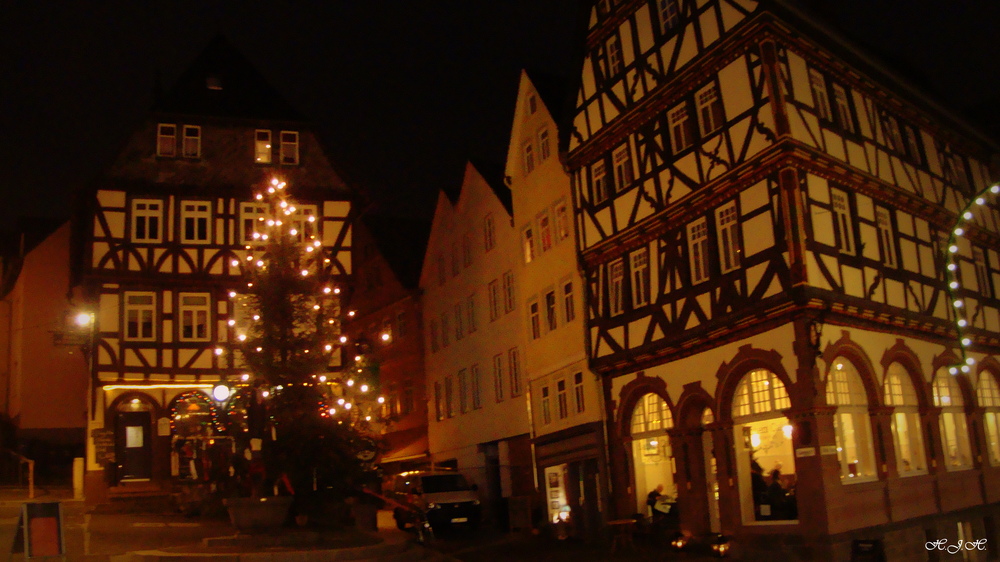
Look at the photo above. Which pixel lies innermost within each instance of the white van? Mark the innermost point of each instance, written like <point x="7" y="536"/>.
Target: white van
<point x="445" y="498"/>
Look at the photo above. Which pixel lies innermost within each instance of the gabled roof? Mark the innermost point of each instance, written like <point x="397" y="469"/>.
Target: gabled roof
<point x="221" y="82"/>
<point x="494" y="175"/>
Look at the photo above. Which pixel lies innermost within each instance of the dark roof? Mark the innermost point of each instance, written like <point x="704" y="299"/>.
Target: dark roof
<point x="402" y="241"/>
<point x="221" y="82"/>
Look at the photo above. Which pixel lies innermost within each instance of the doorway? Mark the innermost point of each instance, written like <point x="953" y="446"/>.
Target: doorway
<point x="133" y="440"/>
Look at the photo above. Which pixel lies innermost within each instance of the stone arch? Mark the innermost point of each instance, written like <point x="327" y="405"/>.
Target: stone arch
<point x="940" y="364"/>
<point x="902" y="354"/>
<point x="854" y="353"/>
<point x="747" y="359"/>
<point x="630" y="395"/>
<point x="156" y="409"/>
<point x="989" y="365"/>
<point x="692" y="402"/>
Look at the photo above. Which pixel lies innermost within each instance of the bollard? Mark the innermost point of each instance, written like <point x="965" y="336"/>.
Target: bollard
<point x="78" y="478"/>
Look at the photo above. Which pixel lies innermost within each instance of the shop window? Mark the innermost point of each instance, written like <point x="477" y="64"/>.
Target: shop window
<point x="652" y="456"/>
<point x="988" y="395"/>
<point x="954" y="430"/>
<point x="851" y="423"/>
<point x="906" y="434"/>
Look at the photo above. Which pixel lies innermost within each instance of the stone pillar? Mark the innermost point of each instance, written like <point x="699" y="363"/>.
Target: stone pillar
<point x="885" y="445"/>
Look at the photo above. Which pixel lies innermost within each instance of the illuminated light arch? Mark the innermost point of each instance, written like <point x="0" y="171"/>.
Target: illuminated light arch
<point x="953" y="285"/>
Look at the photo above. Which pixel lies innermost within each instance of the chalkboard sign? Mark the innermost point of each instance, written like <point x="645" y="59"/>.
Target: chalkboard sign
<point x="104" y="445"/>
<point x="40" y="530"/>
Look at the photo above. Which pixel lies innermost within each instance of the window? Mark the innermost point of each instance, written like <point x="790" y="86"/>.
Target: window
<point x="449" y="397"/>
<point x="562" y="221"/>
<point x="532" y="104"/>
<point x="550" y="310"/>
<point x="477" y="387"/>
<point x="821" y="101"/>
<point x="578" y="393"/>
<point x="489" y="233"/>
<point x="401" y="327"/>
<point x="434" y="336"/>
<point x="711" y="115"/>
<point x="438" y="410"/>
<point x="467" y="250"/>
<point x="727" y="226"/>
<point x="698" y="250"/>
<point x="463" y="391"/>
<point x="843" y="105"/>
<point x="194" y="312"/>
<point x="303" y="221"/>
<point x="166" y="140"/>
<point x="498" y="376"/>
<point x="905" y="422"/>
<point x="614" y="56"/>
<point x="191" y="148"/>
<point x="442" y="270"/>
<point x="600" y="182"/>
<point x="616" y="277"/>
<point x="562" y="403"/>
<point x="289" y="147"/>
<point x="894" y="138"/>
<point x="681" y="129"/>
<point x="988" y="394"/>
<point x="982" y="273"/>
<point x="195" y="219"/>
<point x="459" y="330"/>
<point x="445" y="328"/>
<point x="623" y="168"/>
<point x="669" y="15"/>
<point x="954" y="432"/>
<point x="146" y="218"/>
<point x="494" y="295"/>
<point x="455" y="267"/>
<point x="543" y="144"/>
<point x="640" y="278"/>
<point x="140" y="309"/>
<point x="886" y="238"/>
<point x="252" y="221"/>
<point x="470" y="311"/>
<point x="529" y="157"/>
<point x="262" y="146"/>
<point x="514" y="370"/>
<point x="545" y="230"/>
<point x="534" y="320"/>
<point x="913" y="145"/>
<point x="759" y="391"/>
<point x="528" y="240"/>
<point x="851" y="424"/>
<point x="508" y="291"/>
<point x="843" y="222"/>
<point x="546" y="406"/>
<point x="568" y="304"/>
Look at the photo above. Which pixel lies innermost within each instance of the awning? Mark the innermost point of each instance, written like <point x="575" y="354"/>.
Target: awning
<point x="406" y="445"/>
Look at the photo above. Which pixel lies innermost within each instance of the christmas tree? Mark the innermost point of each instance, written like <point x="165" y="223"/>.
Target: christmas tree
<point x="311" y="418"/>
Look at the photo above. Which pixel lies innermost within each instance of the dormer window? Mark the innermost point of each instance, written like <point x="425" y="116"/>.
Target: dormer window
<point x="262" y="147"/>
<point x="192" y="141"/>
<point x="289" y="147"/>
<point x="166" y="140"/>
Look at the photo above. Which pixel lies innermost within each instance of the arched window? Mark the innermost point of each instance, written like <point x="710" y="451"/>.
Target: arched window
<point x="763" y="440"/>
<point x="851" y="423"/>
<point x="988" y="394"/>
<point x="906" y="434"/>
<point x="651" y="453"/>
<point x="192" y="415"/>
<point x="954" y="431"/>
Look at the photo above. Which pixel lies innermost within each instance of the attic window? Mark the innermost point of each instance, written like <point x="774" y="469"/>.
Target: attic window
<point x="532" y="104"/>
<point x="213" y="83"/>
<point x="289" y="147"/>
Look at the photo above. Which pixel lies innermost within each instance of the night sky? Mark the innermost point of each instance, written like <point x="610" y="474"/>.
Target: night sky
<point x="401" y="91"/>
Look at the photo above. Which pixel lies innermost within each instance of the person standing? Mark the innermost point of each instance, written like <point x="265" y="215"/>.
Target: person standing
<point x="654" y="498"/>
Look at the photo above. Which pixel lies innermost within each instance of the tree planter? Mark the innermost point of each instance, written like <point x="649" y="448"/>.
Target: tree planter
<point x="250" y="515"/>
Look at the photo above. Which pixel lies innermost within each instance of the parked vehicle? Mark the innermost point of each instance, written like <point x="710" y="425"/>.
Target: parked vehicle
<point x="442" y="499"/>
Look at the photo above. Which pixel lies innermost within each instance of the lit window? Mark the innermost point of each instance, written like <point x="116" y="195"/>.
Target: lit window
<point x="438" y="410"/>
<point x="562" y="402"/>
<point x="508" y="291"/>
<point x="727" y="225"/>
<point x="166" y="140"/>
<point x="681" y="128"/>
<point x="843" y="106"/>
<point x="550" y="310"/>
<point x="262" y="146"/>
<point x="546" y="406"/>
<point x="615" y="65"/>
<point x="253" y="219"/>
<point x="669" y="15"/>
<point x="477" y="387"/>
<point x="954" y="431"/>
<point x="470" y="311"/>
<point x="146" y="220"/>
<point x="528" y="240"/>
<point x="545" y="230"/>
<point x="489" y="233"/>
<point x="758" y="392"/>
<point x="514" y="369"/>
<point x="851" y="424"/>
<point x="698" y="250"/>
<point x="463" y="390"/>
<point x="543" y="145"/>
<point x="449" y="400"/>
<point x="821" y="101"/>
<point x="640" y="278"/>
<point x="192" y="141"/>
<point x="534" y="320"/>
<point x="498" y="376"/>
<point x="194" y="311"/>
<point x="562" y="221"/>
<point x="578" y="392"/>
<point x="494" y="296"/>
<point x="529" y="157"/>
<point x="305" y="228"/>
<point x="906" y="434"/>
<point x="140" y="310"/>
<point x="599" y="183"/>
<point x="988" y="394"/>
<point x="710" y="111"/>
<point x="843" y="221"/>
<point x="616" y="277"/>
<point x="623" y="168"/>
<point x="289" y="147"/>
<point x="196" y="216"/>
<point x="568" y="305"/>
<point x="886" y="238"/>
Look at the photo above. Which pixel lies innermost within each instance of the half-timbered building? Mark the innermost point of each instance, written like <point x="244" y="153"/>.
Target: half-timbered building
<point x="763" y="215"/>
<point x="161" y="237"/>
